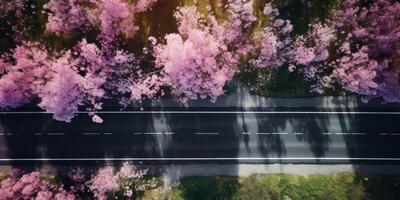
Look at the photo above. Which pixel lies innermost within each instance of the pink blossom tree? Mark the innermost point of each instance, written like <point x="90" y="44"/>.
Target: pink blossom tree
<point x="24" y="74"/>
<point x="31" y="186"/>
<point x="197" y="62"/>
<point x="64" y="81"/>
<point x="357" y="50"/>
<point x="370" y="33"/>
<point x="274" y="40"/>
<point x="128" y="182"/>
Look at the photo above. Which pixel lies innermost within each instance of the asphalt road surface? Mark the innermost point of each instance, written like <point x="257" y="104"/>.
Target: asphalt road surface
<point x="200" y="136"/>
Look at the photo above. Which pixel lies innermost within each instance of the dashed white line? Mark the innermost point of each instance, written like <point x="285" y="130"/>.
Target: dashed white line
<point x="344" y="133"/>
<point x="395" y="134"/>
<point x="359" y="134"/>
<point x="280" y="133"/>
<point x="207" y="133"/>
<point x="272" y="133"/>
<point x="155" y="133"/>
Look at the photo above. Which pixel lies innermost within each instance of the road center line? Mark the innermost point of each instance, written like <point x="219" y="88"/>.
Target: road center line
<point x="155" y="133"/>
<point x="207" y="133"/>
<point x="280" y="133"/>
<point x="359" y="134"/>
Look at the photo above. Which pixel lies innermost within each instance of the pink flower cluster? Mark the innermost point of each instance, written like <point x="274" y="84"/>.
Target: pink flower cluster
<point x="66" y="16"/>
<point x="314" y="46"/>
<point x="372" y="28"/>
<point x="198" y="61"/>
<point x="31" y="186"/>
<point x="85" y="75"/>
<point x="145" y="5"/>
<point x="357" y="73"/>
<point x="197" y="67"/>
<point x="274" y="40"/>
<point x="112" y="17"/>
<point x="311" y="52"/>
<point x="106" y="183"/>
<point x="358" y="49"/>
<point x="11" y="6"/>
<point x="129" y="181"/>
<point x="24" y="73"/>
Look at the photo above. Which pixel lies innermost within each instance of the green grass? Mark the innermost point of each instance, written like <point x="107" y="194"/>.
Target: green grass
<point x="343" y="186"/>
<point x="205" y="188"/>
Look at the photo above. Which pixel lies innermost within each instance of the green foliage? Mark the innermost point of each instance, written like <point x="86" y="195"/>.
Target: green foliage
<point x="381" y="187"/>
<point x="343" y="186"/>
<point x="206" y="188"/>
<point x="273" y="82"/>
<point x="301" y="13"/>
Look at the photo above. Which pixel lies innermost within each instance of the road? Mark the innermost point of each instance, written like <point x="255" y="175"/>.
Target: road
<point x="201" y="136"/>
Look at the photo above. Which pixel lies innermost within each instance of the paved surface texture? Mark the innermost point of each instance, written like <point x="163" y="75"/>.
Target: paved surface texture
<point x="339" y="137"/>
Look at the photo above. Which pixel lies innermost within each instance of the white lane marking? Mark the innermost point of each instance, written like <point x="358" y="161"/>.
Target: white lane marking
<point x="280" y="133"/>
<point x="263" y="133"/>
<point x="155" y="133"/>
<point x="204" y="159"/>
<point x="207" y="133"/>
<point x="221" y="112"/>
<point x="359" y="134"/>
<point x="38" y="134"/>
<point x="272" y="133"/>
<point x="55" y="134"/>
<point x="344" y="133"/>
<point x="298" y="133"/>
<point x="384" y="134"/>
<point x="89" y="134"/>
<point x="395" y="134"/>
<point x="107" y="133"/>
<point x="246" y="133"/>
